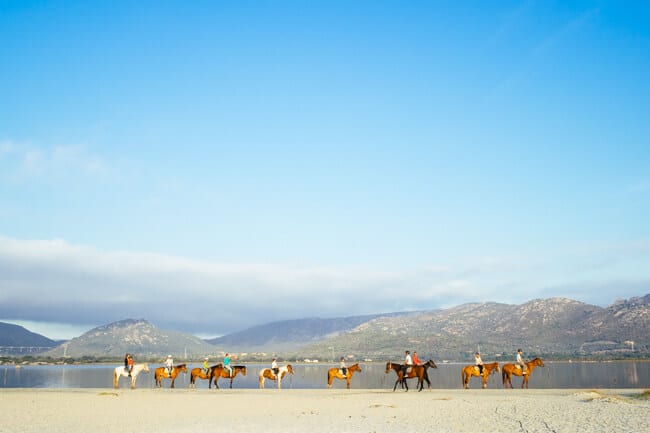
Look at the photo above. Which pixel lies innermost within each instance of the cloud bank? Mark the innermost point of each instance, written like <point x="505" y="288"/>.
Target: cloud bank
<point x="53" y="281"/>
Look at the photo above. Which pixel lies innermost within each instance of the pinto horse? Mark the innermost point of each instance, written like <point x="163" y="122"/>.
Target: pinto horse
<point x="509" y="369"/>
<point x="219" y="372"/>
<point x="473" y="370"/>
<point x="198" y="373"/>
<point x="268" y="374"/>
<point x="415" y="371"/>
<point x="162" y="373"/>
<point x="335" y="373"/>
<point x="121" y="372"/>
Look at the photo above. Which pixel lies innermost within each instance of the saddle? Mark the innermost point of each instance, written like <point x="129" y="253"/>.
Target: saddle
<point x="519" y="367"/>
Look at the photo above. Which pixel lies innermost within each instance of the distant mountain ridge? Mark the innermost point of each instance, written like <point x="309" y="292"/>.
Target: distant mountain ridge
<point x="556" y="327"/>
<point x="138" y="337"/>
<point x="16" y="336"/>
<point x="559" y="326"/>
<point x="288" y="335"/>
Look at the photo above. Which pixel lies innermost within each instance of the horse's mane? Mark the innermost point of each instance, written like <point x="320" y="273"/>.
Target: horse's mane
<point x="179" y="365"/>
<point x="238" y="366"/>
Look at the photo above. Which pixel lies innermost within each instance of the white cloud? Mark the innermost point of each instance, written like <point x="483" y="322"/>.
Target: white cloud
<point x="52" y="281"/>
<point x="28" y="161"/>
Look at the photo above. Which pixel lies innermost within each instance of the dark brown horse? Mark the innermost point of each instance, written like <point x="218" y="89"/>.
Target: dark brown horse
<point x="473" y="370"/>
<point x="336" y="373"/>
<point x="162" y="373"/>
<point x="415" y="371"/>
<point x="198" y="373"/>
<point x="507" y="370"/>
<point x="267" y="373"/>
<point x="219" y="372"/>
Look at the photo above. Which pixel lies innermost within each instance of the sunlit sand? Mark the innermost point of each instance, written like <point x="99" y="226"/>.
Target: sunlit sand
<point x="311" y="411"/>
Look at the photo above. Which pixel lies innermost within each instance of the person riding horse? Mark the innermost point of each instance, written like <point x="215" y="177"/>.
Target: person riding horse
<point x="226" y="364"/>
<point x="521" y="362"/>
<point x="128" y="363"/>
<point x="478" y="362"/>
<point x="408" y="363"/>
<point x="169" y="363"/>
<point x="343" y="367"/>
<point x="274" y="366"/>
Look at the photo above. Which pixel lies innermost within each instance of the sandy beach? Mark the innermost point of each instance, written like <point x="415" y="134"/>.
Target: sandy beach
<point x="272" y="410"/>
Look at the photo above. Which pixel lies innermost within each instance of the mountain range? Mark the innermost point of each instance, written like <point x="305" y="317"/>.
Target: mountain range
<point x="554" y="327"/>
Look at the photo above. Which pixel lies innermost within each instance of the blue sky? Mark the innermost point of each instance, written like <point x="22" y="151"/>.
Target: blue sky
<point x="216" y="165"/>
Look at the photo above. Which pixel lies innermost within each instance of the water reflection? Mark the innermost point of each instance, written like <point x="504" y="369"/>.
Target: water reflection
<point x="312" y="376"/>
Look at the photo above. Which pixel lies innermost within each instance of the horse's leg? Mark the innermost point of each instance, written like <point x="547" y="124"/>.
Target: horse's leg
<point x="347" y="380"/>
<point x="396" y="382"/>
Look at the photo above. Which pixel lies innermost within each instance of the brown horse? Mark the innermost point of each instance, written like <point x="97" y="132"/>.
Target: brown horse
<point x="473" y="370"/>
<point x="415" y="371"/>
<point x="509" y="369"/>
<point x="267" y="373"/>
<point x="219" y="372"/>
<point x="198" y="373"/>
<point x="335" y="373"/>
<point x="162" y="373"/>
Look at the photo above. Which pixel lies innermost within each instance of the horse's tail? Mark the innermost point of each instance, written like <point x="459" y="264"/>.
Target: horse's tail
<point x="462" y="376"/>
<point x="503" y="376"/>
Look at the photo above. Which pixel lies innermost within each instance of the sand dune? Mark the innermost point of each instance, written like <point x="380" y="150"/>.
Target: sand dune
<point x="313" y="411"/>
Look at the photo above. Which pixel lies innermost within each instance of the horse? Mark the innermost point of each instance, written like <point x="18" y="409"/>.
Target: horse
<point x="121" y="372"/>
<point x="509" y="369"/>
<point x="268" y="374"/>
<point x="162" y="373"/>
<point x="219" y="371"/>
<point x="335" y="373"/>
<point x="419" y="371"/>
<point x="197" y="373"/>
<point x="473" y="370"/>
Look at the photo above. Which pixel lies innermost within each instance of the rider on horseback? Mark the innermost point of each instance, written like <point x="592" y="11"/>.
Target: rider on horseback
<point x="206" y="367"/>
<point x="478" y="362"/>
<point x="128" y="363"/>
<point x="520" y="362"/>
<point x="226" y="364"/>
<point x="408" y="363"/>
<point x="169" y="363"/>
<point x="343" y="367"/>
<point x="274" y="366"/>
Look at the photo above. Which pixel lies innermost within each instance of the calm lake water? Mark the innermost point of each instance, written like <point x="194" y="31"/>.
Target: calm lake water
<point x="446" y="376"/>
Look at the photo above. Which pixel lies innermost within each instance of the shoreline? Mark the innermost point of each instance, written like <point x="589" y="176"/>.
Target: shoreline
<point x="72" y="410"/>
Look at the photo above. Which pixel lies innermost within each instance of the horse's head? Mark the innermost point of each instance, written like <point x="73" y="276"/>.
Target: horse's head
<point x="289" y="369"/>
<point x="355" y="367"/>
<point x="389" y="367"/>
<point x="538" y="362"/>
<point x="182" y="368"/>
<point x="431" y="364"/>
<point x="243" y="370"/>
<point x="498" y="368"/>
